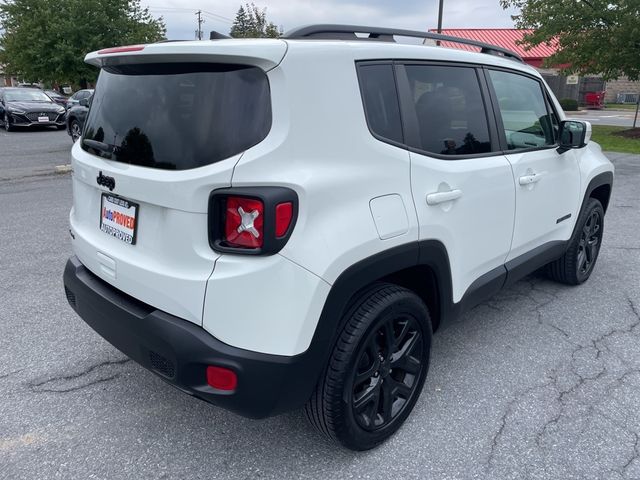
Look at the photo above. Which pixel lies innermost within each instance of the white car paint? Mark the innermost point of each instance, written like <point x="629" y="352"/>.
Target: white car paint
<point x="357" y="197"/>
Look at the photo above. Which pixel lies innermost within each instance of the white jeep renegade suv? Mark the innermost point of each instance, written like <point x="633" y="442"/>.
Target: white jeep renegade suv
<point x="272" y="224"/>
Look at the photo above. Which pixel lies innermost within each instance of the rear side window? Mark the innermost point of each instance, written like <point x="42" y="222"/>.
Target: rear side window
<point x="449" y="109"/>
<point x="523" y="108"/>
<point x="378" y="87"/>
<point x="177" y="116"/>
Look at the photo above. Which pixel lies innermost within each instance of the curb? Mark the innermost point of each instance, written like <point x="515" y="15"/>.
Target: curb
<point x="63" y="168"/>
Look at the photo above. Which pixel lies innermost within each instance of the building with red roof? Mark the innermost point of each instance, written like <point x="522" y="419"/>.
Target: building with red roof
<point x="508" y="38"/>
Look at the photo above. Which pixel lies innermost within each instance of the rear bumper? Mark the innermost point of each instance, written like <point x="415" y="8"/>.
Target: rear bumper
<point x="179" y="351"/>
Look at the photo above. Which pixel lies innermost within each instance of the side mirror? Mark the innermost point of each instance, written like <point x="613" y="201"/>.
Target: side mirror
<point x="84" y="102"/>
<point x="574" y="134"/>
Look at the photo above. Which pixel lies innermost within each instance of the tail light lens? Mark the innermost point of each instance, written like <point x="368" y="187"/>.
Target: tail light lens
<point x="251" y="220"/>
<point x="244" y="222"/>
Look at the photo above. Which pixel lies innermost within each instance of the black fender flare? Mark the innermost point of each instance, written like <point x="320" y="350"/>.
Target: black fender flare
<point x="355" y="279"/>
<point x="605" y="178"/>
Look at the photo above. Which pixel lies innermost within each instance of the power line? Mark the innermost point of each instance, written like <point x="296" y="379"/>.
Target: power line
<point x="217" y="16"/>
<point x="205" y="13"/>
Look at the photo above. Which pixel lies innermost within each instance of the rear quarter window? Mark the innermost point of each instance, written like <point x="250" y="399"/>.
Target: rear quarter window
<point x="177" y="116"/>
<point x="380" y="99"/>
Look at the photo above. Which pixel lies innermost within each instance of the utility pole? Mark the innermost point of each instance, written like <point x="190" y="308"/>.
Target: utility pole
<point x="200" y="22"/>
<point x="440" y="16"/>
<point x="440" y="19"/>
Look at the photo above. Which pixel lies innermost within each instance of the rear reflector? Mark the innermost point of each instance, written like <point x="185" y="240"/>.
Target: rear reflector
<point x="129" y="48"/>
<point x="284" y="214"/>
<point x="244" y="222"/>
<point x="222" y="378"/>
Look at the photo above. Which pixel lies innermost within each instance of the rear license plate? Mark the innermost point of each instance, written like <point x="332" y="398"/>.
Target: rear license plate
<point x="119" y="218"/>
<point x="43" y="119"/>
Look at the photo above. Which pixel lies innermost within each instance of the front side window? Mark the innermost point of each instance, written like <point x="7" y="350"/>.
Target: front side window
<point x="449" y="109"/>
<point x="177" y="116"/>
<point x="523" y="109"/>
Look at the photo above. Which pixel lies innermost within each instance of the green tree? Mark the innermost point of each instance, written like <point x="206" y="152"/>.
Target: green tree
<point x="251" y="22"/>
<point x="46" y="40"/>
<point x="240" y="25"/>
<point x="593" y="36"/>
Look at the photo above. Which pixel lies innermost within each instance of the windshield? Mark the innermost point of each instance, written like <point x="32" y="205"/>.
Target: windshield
<point x="177" y="116"/>
<point x="26" y="95"/>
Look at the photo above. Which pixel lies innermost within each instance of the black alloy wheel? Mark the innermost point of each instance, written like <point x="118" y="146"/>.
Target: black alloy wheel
<point x="589" y="244"/>
<point x="376" y="370"/>
<point x="577" y="263"/>
<point x="387" y="372"/>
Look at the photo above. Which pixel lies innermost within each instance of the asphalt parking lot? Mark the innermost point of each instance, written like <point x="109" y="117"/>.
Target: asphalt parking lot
<point x="542" y="382"/>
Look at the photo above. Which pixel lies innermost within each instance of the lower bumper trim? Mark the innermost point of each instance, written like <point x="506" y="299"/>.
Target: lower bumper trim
<point x="180" y="351"/>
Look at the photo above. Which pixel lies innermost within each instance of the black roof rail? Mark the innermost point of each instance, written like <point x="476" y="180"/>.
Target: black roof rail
<point x="348" y="32"/>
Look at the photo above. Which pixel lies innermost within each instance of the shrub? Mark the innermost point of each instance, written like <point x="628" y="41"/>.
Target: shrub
<point x="569" y="104"/>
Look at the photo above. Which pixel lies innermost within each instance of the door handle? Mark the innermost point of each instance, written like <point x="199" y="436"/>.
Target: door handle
<point x="442" y="197"/>
<point x="531" y="178"/>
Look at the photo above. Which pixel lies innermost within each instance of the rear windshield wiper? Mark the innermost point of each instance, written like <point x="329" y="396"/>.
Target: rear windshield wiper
<point x="100" y="146"/>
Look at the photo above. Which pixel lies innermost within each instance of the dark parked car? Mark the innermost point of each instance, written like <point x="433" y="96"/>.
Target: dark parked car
<point x="26" y="107"/>
<point x="79" y="95"/>
<point x="57" y="97"/>
<point x="76" y="116"/>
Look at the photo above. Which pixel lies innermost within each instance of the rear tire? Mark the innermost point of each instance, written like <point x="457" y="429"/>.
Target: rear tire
<point x="576" y="265"/>
<point x="377" y="368"/>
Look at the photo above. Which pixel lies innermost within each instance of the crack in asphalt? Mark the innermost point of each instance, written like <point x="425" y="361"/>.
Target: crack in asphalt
<point x="534" y="287"/>
<point x="7" y="375"/>
<point x="597" y="349"/>
<point x="79" y="387"/>
<point x="36" y="386"/>
<point x="503" y="420"/>
<point x="634" y="456"/>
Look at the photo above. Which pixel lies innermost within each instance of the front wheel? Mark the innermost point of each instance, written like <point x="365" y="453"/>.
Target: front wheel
<point x="576" y="265"/>
<point x="376" y="370"/>
<point x="7" y="123"/>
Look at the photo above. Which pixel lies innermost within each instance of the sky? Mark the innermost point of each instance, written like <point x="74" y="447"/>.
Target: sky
<point x="180" y="17"/>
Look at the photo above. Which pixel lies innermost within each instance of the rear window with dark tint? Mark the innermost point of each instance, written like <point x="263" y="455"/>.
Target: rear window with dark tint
<point x="380" y="98"/>
<point x="449" y="109"/>
<point x="177" y="116"/>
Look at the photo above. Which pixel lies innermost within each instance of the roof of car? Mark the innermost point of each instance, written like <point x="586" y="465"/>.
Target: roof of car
<point x="267" y="53"/>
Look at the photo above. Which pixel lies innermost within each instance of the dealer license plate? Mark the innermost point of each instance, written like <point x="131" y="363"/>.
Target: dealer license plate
<point x="119" y="218"/>
<point x="43" y="119"/>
